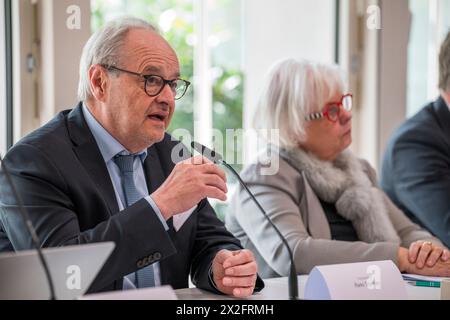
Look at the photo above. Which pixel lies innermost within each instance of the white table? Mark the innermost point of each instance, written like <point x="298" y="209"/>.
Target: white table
<point x="276" y="289"/>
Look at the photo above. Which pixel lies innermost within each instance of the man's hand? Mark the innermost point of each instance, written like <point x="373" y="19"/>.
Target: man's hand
<point x="235" y="272"/>
<point x="190" y="182"/>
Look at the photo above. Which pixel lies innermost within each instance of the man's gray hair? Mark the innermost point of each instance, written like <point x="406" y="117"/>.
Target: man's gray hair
<point x="104" y="47"/>
<point x="292" y="90"/>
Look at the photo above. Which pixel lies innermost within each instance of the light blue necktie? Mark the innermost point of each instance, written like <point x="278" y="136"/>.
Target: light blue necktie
<point x="145" y="277"/>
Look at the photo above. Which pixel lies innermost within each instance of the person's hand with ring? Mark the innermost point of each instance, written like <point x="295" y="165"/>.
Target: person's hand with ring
<point x="425" y="253"/>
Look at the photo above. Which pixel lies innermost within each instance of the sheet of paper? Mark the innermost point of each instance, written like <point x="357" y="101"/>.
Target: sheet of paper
<point x="416" y="277"/>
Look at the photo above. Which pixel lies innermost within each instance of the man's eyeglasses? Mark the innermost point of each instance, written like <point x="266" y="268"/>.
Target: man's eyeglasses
<point x="333" y="110"/>
<point x="155" y="84"/>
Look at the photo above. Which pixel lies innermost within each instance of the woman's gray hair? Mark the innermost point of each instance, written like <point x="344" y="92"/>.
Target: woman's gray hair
<point x="292" y="90"/>
<point x="104" y="47"/>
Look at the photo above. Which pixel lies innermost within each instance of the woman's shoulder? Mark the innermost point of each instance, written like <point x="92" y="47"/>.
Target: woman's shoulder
<point x="273" y="171"/>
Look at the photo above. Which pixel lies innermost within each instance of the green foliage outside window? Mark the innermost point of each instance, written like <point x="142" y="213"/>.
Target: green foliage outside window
<point x="181" y="29"/>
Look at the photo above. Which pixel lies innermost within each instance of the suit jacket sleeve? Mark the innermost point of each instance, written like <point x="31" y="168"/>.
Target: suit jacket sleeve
<point x="210" y="235"/>
<point x="44" y="193"/>
<point x="421" y="178"/>
<point x="210" y="238"/>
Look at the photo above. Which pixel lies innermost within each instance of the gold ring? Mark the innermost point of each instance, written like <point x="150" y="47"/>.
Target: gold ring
<point x="427" y="243"/>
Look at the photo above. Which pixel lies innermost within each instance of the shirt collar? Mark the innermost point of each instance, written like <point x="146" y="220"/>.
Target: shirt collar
<point x="108" y="145"/>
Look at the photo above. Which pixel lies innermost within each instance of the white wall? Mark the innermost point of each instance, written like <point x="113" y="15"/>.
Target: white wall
<point x="58" y="55"/>
<point x="61" y="51"/>
<point x="393" y="69"/>
<point x="359" y="56"/>
<point x="276" y="29"/>
<point x="377" y="62"/>
<point x="366" y="114"/>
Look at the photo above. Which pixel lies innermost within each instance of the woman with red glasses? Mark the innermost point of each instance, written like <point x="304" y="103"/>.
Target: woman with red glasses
<point x="325" y="200"/>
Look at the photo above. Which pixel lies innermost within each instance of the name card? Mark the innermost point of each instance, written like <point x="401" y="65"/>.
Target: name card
<point x="375" y="280"/>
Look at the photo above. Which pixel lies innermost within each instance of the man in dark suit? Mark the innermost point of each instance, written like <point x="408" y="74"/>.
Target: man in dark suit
<point x="107" y="171"/>
<point x="416" y="164"/>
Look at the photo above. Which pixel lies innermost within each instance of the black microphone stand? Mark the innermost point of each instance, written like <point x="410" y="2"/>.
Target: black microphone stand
<point x="218" y="159"/>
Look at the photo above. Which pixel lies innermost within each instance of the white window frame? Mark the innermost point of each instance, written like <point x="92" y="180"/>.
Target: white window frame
<point x="203" y="114"/>
<point x="434" y="26"/>
<point x="433" y="49"/>
<point x="3" y="115"/>
<point x="435" y="39"/>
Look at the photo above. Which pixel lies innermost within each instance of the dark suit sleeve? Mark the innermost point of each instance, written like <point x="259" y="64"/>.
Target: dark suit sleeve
<point x="47" y="200"/>
<point x="211" y="237"/>
<point x="421" y="179"/>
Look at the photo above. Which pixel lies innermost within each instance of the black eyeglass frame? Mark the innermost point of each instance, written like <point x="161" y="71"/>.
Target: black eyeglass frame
<point x="146" y="78"/>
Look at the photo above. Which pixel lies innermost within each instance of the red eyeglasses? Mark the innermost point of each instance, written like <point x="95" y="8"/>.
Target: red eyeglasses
<point x="333" y="110"/>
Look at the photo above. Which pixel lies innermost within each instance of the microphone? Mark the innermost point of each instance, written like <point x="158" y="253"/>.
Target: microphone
<point x="218" y="159"/>
<point x="27" y="221"/>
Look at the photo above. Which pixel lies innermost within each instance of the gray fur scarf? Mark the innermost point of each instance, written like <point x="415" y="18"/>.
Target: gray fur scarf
<point x="345" y="183"/>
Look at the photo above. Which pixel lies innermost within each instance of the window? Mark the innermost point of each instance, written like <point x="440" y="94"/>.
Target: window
<point x="206" y="36"/>
<point x="225" y="42"/>
<point x="430" y="24"/>
<point x="175" y="21"/>
<point x="222" y="51"/>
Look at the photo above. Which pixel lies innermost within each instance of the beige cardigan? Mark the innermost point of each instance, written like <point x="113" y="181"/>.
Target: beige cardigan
<point x="293" y="206"/>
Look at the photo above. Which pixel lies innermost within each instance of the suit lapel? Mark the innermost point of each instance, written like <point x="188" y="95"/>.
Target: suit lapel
<point x="89" y="155"/>
<point x="154" y="175"/>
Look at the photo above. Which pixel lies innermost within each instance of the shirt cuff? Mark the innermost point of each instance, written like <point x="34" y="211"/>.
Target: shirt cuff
<point x="157" y="211"/>
<point x="211" y="279"/>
